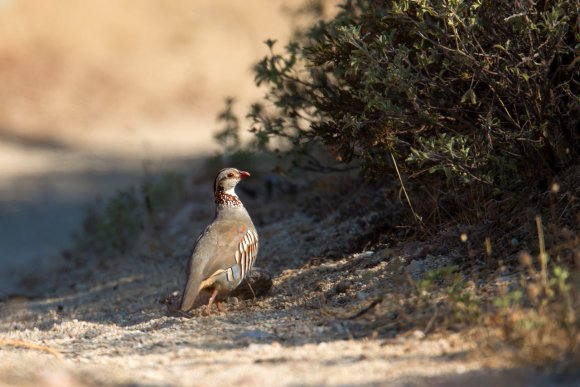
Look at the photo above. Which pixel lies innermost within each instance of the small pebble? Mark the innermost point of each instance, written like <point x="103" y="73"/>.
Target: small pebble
<point x="418" y="334"/>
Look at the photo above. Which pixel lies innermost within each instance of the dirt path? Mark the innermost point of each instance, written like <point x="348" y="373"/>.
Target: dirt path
<point x="105" y="321"/>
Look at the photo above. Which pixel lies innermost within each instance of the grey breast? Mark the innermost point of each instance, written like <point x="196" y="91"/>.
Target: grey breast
<point x="235" y="248"/>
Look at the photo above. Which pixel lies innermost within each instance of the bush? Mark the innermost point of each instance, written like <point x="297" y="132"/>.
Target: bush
<point x="111" y="227"/>
<point x="477" y="91"/>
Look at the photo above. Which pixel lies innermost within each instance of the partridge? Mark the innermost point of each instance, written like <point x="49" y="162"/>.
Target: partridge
<point x="224" y="253"/>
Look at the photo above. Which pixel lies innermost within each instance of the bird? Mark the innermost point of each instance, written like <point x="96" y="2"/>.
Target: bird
<point x="226" y="250"/>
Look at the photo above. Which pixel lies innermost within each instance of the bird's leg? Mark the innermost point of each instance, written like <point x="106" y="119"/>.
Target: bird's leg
<point x="219" y="305"/>
<point x="211" y="300"/>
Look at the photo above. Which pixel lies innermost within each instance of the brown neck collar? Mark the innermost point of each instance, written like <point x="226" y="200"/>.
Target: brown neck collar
<point x="223" y="200"/>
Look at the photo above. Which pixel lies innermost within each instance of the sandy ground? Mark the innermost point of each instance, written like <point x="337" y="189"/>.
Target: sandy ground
<point x="103" y="321"/>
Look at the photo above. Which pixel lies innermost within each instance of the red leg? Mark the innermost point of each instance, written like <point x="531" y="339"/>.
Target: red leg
<point x="219" y="305"/>
<point x="211" y="300"/>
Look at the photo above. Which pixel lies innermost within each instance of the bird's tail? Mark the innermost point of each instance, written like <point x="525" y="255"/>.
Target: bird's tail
<point x="191" y="291"/>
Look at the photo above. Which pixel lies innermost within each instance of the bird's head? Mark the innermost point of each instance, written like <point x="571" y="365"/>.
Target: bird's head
<point x="227" y="179"/>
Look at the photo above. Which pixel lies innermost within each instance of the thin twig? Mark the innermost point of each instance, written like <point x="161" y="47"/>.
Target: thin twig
<point x="431" y="321"/>
<point x="251" y="288"/>
<point x="366" y="309"/>
<point x="543" y="257"/>
<point x="417" y="217"/>
<point x="25" y="344"/>
<point x="506" y="19"/>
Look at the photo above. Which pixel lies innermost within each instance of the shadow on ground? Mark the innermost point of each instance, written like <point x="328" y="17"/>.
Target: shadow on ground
<point x="41" y="209"/>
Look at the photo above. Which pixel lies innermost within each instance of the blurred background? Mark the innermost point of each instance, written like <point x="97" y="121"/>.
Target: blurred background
<point x="94" y="92"/>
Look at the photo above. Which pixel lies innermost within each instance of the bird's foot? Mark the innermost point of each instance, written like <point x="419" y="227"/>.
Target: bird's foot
<point x="206" y="310"/>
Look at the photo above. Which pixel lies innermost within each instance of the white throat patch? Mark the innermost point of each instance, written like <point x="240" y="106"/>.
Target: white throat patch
<point x="231" y="191"/>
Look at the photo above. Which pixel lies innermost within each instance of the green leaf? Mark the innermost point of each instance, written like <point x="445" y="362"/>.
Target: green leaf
<point x="469" y="95"/>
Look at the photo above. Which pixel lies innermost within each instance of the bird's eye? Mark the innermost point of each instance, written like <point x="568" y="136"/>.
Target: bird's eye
<point x="230" y="174"/>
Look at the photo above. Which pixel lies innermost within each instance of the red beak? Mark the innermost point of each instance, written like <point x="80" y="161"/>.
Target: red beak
<point x="244" y="174"/>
